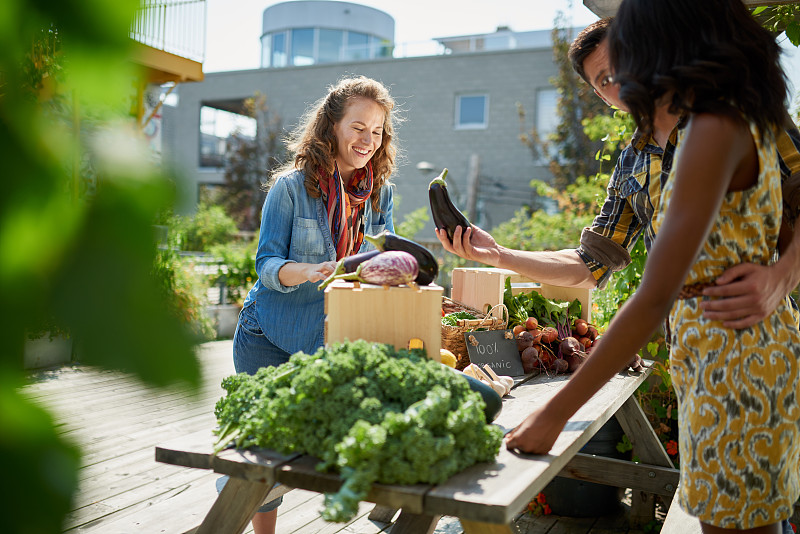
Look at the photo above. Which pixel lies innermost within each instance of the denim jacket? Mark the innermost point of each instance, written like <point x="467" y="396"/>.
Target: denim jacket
<point x="294" y="228"/>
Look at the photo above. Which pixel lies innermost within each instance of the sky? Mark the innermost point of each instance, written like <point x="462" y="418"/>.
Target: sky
<point x="233" y="27"/>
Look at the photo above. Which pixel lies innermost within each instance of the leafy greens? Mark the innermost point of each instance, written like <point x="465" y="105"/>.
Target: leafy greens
<point x="366" y="411"/>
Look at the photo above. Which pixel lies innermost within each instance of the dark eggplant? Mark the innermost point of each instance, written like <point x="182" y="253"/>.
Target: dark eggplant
<point x="391" y="268"/>
<point x="348" y="264"/>
<point x="428" y="266"/>
<point x="445" y="214"/>
<point x="493" y="402"/>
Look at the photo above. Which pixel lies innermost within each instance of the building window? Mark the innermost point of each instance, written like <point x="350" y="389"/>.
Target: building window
<point x="472" y="112"/>
<point x="279" y="52"/>
<point x="546" y="112"/>
<point x="330" y="45"/>
<point x="266" y="50"/>
<point x="303" y="47"/>
<point x="218" y="131"/>
<point x="357" y="46"/>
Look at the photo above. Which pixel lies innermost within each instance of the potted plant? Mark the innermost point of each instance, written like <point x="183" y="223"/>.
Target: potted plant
<point x="46" y="346"/>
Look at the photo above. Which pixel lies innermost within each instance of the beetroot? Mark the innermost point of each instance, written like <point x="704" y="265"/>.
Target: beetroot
<point x="560" y="365"/>
<point x="575" y="360"/>
<point x="530" y="359"/>
<point x="569" y="346"/>
<point x="549" y="334"/>
<point x="581" y="327"/>
<point x="524" y="340"/>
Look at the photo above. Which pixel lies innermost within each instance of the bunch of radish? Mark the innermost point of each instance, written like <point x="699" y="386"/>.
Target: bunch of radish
<point x="560" y="350"/>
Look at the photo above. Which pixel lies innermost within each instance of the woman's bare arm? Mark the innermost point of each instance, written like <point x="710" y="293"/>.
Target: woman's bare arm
<point x="716" y="154"/>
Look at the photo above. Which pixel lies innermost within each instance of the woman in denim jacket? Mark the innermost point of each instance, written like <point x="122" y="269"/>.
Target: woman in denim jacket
<point x="319" y="206"/>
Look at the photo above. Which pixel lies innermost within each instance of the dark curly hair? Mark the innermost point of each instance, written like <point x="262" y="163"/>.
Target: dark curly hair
<point x="313" y="142"/>
<point x="711" y="55"/>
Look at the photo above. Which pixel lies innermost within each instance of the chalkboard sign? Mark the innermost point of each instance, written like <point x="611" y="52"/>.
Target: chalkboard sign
<point x="497" y="348"/>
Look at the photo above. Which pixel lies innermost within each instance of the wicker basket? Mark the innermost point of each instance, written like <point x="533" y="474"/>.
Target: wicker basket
<point x="453" y="336"/>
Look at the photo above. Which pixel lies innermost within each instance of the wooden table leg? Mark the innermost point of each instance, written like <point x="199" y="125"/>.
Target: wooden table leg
<point x="235" y="506"/>
<point x="415" y="523"/>
<point x="474" y="527"/>
<point x="382" y="514"/>
<point x="649" y="450"/>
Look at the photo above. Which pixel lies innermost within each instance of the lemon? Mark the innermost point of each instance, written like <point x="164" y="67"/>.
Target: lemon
<point x="448" y="358"/>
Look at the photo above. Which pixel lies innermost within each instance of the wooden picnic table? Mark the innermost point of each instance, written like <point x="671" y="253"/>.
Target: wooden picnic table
<point x="485" y="497"/>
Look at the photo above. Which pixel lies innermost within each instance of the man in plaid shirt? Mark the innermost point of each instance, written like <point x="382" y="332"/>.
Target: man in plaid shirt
<point x="749" y="292"/>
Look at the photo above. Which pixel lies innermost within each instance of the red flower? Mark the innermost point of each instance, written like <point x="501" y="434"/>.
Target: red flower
<point x="547" y="510"/>
<point x="672" y="447"/>
<point x="540" y="498"/>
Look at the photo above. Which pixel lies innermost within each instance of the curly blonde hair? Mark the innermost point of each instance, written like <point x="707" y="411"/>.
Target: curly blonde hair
<point x="313" y="142"/>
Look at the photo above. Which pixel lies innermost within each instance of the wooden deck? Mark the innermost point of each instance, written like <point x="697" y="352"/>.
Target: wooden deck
<point x="117" y="421"/>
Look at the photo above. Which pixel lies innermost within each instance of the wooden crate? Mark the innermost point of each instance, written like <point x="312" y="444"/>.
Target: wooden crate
<point x="482" y="288"/>
<point x="391" y="315"/>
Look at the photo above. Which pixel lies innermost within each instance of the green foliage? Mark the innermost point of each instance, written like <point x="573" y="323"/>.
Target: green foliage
<point x="625" y="444"/>
<point x="209" y="226"/>
<point x="556" y="313"/>
<point x="82" y="258"/>
<point x="238" y="263"/>
<point x="620" y="287"/>
<point x="42" y="465"/>
<point x="182" y="291"/>
<point x="365" y="410"/>
<point x="568" y="146"/>
<point x="780" y="18"/>
<point x="539" y="230"/>
<point x="412" y="223"/>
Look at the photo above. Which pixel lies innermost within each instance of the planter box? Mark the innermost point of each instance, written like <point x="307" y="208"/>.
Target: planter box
<point x="224" y="318"/>
<point x="46" y="352"/>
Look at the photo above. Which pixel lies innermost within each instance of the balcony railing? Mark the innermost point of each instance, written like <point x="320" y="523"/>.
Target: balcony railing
<point x="174" y="26"/>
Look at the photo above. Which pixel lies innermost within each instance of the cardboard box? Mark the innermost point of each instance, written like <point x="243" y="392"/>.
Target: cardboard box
<point x="391" y="315"/>
<point x="482" y="288"/>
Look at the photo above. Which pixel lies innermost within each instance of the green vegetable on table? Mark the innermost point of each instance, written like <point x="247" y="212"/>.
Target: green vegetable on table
<point x="365" y="410"/>
<point x="556" y="313"/>
<point x="451" y="319"/>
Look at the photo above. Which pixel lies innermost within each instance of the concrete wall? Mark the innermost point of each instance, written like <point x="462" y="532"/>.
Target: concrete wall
<point x="425" y="89"/>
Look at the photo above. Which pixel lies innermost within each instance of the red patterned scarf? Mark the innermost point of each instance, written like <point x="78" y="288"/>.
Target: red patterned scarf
<point x="346" y="212"/>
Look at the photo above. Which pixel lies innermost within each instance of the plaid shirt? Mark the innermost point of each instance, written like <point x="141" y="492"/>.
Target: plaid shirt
<point x="634" y="193"/>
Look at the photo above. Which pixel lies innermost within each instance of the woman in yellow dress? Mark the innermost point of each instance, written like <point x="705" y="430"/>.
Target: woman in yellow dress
<point x="738" y="390"/>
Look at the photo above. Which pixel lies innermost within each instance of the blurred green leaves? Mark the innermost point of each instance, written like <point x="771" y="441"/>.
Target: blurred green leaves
<point x="41" y="469"/>
<point x="77" y="256"/>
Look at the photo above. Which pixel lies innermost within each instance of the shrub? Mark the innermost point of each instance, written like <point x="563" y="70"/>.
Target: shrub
<point x="238" y="268"/>
<point x="182" y="292"/>
<point x="209" y="226"/>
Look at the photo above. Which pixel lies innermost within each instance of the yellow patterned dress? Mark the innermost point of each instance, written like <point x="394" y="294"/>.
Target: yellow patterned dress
<point x="737" y="390"/>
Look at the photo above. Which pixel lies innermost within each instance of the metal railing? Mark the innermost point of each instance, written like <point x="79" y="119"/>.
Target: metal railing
<point x="174" y="26"/>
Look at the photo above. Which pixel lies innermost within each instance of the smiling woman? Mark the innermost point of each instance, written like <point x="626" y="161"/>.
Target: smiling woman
<point x="359" y="134"/>
<point x="320" y="204"/>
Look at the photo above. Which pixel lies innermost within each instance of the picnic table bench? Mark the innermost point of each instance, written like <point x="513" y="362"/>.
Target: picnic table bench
<point x="485" y="497"/>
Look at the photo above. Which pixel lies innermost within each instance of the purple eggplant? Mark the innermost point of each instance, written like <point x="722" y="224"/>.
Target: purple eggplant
<point x="428" y="266"/>
<point x="348" y="264"/>
<point x="390" y="268"/>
